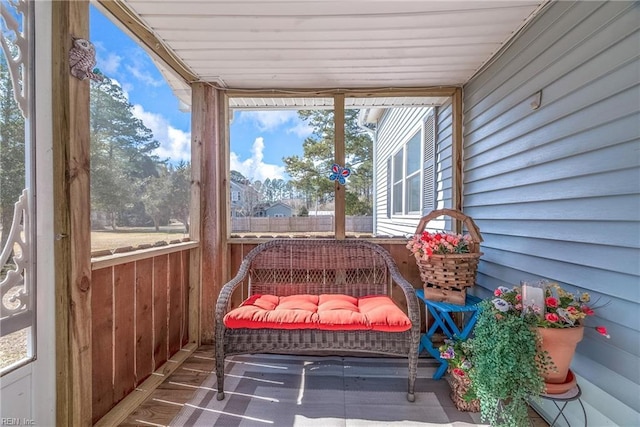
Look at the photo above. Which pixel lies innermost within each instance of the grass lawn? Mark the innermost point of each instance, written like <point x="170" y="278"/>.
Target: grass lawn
<point x="123" y="237"/>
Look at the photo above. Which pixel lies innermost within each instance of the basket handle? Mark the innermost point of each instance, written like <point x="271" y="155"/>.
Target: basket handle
<point x="474" y="231"/>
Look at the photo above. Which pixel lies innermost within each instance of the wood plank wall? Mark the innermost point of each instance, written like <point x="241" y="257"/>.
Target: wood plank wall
<point x="139" y="320"/>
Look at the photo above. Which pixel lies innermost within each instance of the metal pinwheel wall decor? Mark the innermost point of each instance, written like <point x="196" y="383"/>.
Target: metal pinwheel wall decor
<point x="339" y="173"/>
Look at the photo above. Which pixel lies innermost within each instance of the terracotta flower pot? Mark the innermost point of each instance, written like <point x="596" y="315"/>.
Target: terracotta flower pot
<point x="561" y="344"/>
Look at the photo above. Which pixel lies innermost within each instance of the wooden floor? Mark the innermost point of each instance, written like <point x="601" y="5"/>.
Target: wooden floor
<point x="168" y="399"/>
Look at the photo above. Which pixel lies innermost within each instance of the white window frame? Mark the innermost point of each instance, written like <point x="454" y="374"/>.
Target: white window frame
<point x="22" y="73"/>
<point x="405" y="213"/>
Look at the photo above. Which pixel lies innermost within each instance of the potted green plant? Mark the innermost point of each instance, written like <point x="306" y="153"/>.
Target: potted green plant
<point x="507" y="351"/>
<point x="507" y="366"/>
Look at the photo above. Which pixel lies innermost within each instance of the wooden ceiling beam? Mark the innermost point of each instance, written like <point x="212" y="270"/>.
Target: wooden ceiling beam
<point x="439" y="91"/>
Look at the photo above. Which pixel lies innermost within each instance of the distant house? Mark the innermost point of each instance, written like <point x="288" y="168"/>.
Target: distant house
<point x="408" y="157"/>
<point x="277" y="210"/>
<point x="242" y="200"/>
<point x="313" y="212"/>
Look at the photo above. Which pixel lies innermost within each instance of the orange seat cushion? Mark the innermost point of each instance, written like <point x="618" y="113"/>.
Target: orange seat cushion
<point x="340" y="313"/>
<point x="269" y="311"/>
<point x="326" y="312"/>
<point x="383" y="314"/>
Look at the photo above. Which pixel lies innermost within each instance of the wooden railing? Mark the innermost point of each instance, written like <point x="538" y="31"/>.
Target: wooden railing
<point x="292" y="225"/>
<point x="139" y="305"/>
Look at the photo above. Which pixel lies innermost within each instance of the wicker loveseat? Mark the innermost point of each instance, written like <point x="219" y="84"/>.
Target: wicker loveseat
<point x="342" y="273"/>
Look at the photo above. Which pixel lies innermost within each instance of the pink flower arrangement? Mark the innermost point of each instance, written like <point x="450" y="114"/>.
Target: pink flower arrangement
<point x="561" y="309"/>
<point x="456" y="353"/>
<point x="426" y="244"/>
<point x="459" y="372"/>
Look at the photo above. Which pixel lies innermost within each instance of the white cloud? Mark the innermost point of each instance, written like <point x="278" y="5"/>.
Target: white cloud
<point x="254" y="168"/>
<point x="126" y="88"/>
<point x="301" y="129"/>
<point x="144" y="76"/>
<point x="269" y="120"/>
<point x="109" y="65"/>
<point x="175" y="144"/>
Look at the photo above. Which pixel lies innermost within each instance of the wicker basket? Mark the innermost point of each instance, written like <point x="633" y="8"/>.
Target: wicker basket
<point x="453" y="272"/>
<point x="459" y="388"/>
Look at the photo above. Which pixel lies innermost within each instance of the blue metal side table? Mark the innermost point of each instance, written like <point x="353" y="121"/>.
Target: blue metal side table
<point x="441" y="313"/>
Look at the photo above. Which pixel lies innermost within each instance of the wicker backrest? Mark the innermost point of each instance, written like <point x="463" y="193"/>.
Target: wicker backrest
<point x="314" y="266"/>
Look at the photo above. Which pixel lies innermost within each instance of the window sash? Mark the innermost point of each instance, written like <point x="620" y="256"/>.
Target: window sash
<point x="412" y="194"/>
<point x="406" y="197"/>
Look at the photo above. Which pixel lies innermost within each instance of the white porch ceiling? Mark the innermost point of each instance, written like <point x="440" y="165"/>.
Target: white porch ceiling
<point x="322" y="44"/>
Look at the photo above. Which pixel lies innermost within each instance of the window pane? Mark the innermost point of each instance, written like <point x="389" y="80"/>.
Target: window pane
<point x="413" y="154"/>
<point x="397" y="198"/>
<point x="280" y="163"/>
<point x="387" y="193"/>
<point x="413" y="193"/>
<point x="140" y="148"/>
<point x="397" y="167"/>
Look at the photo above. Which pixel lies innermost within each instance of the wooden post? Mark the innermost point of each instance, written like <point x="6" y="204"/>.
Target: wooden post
<point x="457" y="144"/>
<point x="338" y="114"/>
<point x="208" y="131"/>
<point x="199" y="94"/>
<point x="72" y="226"/>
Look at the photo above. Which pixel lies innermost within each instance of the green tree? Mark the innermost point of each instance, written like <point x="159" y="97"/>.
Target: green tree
<point x="121" y="151"/>
<point x="12" y="151"/>
<point x="266" y="191"/>
<point x="355" y="206"/>
<point x="179" y="196"/>
<point x="310" y="172"/>
<point x="359" y="154"/>
<point x="273" y="190"/>
<point x="155" y="196"/>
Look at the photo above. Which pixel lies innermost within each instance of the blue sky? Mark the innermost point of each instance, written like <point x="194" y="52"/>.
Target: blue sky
<point x="259" y="139"/>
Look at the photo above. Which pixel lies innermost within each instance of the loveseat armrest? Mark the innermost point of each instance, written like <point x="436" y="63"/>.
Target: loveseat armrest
<point x="223" y="305"/>
<point x="413" y="306"/>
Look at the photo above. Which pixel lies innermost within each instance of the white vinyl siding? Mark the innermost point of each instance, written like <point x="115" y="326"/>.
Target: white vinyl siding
<point x="396" y="128"/>
<point x="444" y="157"/>
<point x="556" y="190"/>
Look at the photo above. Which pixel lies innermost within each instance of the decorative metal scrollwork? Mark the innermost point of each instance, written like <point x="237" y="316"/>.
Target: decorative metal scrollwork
<point x="16" y="302"/>
<point x="16" y="48"/>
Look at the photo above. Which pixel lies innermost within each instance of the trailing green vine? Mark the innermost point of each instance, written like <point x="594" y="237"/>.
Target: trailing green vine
<point x="506" y="366"/>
